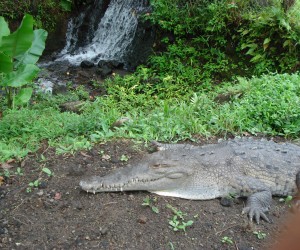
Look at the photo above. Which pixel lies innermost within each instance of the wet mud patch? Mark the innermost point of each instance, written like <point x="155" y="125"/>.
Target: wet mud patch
<point x="58" y="215"/>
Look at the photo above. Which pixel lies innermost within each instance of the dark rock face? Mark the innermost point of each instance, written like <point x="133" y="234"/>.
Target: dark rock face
<point x="104" y="71"/>
<point x="86" y="64"/>
<point x="113" y="64"/>
<point x="141" y="46"/>
<point x="56" y="38"/>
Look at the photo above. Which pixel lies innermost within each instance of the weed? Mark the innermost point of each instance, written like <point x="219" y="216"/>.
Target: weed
<point x="124" y="158"/>
<point x="47" y="171"/>
<point x="19" y="171"/>
<point x="177" y="222"/>
<point x="260" y="235"/>
<point x="33" y="184"/>
<point x="171" y="246"/>
<point x="227" y="240"/>
<point x="286" y="200"/>
<point x="149" y="202"/>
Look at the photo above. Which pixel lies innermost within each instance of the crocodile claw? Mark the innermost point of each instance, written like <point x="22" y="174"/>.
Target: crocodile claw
<point x="256" y="213"/>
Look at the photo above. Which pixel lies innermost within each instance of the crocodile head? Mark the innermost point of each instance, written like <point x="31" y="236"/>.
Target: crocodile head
<point x="159" y="172"/>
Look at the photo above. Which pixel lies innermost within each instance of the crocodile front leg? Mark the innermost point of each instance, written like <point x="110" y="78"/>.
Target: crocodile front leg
<point x="257" y="204"/>
<point x="259" y="196"/>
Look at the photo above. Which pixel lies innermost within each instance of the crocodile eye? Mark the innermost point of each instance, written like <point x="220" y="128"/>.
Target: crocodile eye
<point x="156" y="165"/>
<point x="160" y="165"/>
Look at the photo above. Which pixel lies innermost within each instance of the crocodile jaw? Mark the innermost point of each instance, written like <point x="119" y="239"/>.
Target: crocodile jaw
<point x="100" y="184"/>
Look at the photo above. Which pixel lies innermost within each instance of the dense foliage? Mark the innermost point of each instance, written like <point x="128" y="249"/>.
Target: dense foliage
<point x="220" y="37"/>
<point x="19" y="51"/>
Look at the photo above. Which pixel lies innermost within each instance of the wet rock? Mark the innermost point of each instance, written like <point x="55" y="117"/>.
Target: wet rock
<point x="86" y="64"/>
<point x="72" y="106"/>
<point x="104" y="71"/>
<point x="45" y="86"/>
<point x="59" y="88"/>
<point x="120" y="122"/>
<point x="113" y="64"/>
<point x="226" y="202"/>
<point x="84" y="74"/>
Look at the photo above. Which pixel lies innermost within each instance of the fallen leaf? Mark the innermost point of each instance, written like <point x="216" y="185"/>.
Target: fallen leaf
<point x="6" y="166"/>
<point x="84" y="154"/>
<point x="57" y="196"/>
<point x="1" y="180"/>
<point x="10" y="161"/>
<point x="105" y="157"/>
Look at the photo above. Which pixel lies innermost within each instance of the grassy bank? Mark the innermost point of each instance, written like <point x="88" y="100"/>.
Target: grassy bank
<point x="268" y="104"/>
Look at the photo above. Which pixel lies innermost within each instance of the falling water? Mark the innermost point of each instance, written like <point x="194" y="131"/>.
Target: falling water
<point x="109" y="37"/>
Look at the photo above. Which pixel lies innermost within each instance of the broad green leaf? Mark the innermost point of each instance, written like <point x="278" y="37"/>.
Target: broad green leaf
<point x="266" y="43"/>
<point x="66" y="5"/>
<point x="32" y="55"/>
<point x="287" y="43"/>
<point x="22" y="76"/>
<point x="47" y="171"/>
<point x="4" y="30"/>
<point x="23" y="96"/>
<point x="256" y="58"/>
<point x="6" y="64"/>
<point x="267" y="40"/>
<point x="20" y="41"/>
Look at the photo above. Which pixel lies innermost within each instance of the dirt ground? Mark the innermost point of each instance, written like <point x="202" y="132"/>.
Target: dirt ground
<point x="58" y="215"/>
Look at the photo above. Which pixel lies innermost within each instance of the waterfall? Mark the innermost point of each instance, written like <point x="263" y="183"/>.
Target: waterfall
<point x="103" y="32"/>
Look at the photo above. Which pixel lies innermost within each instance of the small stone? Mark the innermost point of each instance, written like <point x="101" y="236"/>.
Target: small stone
<point x="77" y="204"/>
<point x="103" y="230"/>
<point x="40" y="193"/>
<point x="43" y="185"/>
<point x="3" y="230"/>
<point x="131" y="197"/>
<point x="226" y="202"/>
<point x="142" y="219"/>
<point x="87" y="238"/>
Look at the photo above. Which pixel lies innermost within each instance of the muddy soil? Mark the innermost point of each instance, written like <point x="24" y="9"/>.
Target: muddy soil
<point x="58" y="215"/>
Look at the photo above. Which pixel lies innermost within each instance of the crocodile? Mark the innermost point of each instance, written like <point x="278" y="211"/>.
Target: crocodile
<point x="246" y="167"/>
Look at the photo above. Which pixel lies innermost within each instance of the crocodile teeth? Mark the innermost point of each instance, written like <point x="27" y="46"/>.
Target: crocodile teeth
<point x="94" y="192"/>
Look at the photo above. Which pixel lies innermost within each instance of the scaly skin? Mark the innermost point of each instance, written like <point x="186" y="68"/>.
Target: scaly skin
<point x="245" y="167"/>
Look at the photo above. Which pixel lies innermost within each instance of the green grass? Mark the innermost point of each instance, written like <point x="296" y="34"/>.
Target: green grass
<point x="268" y="104"/>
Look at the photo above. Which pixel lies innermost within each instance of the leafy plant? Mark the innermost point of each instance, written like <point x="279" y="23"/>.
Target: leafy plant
<point x="124" y="158"/>
<point x="227" y="240"/>
<point x="177" y="222"/>
<point x="149" y="202"/>
<point x="286" y="200"/>
<point x="47" y="171"/>
<point x="66" y="5"/>
<point x="19" y="171"/>
<point x="33" y="184"/>
<point x="19" y="52"/>
<point x="260" y="235"/>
